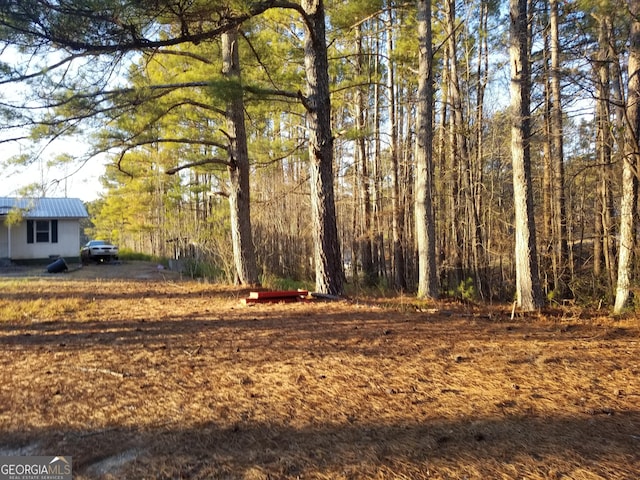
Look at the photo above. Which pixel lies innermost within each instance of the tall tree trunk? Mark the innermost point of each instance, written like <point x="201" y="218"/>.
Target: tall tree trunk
<point x="447" y="239"/>
<point x="458" y="151"/>
<point x="561" y="276"/>
<point x="547" y="255"/>
<point x="528" y="291"/>
<point x="602" y="249"/>
<point x="425" y="224"/>
<point x="239" y="202"/>
<point x="406" y="130"/>
<point x="327" y="256"/>
<point x="376" y="170"/>
<point x="397" y="222"/>
<point x="365" y="237"/>
<point x="479" y="249"/>
<point x="619" y="133"/>
<point x="630" y="164"/>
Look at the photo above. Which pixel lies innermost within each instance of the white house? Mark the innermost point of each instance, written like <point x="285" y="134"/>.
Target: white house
<point x="47" y="228"/>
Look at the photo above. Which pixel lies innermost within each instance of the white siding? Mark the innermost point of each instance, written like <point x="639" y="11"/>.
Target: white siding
<point x="68" y="242"/>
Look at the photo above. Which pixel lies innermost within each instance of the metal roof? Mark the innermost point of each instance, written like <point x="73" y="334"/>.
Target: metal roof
<point x="45" y="207"/>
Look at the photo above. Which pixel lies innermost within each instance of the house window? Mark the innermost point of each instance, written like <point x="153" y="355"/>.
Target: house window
<point x="42" y="231"/>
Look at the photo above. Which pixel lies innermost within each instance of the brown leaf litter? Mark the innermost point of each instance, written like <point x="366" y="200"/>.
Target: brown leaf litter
<point x="158" y="377"/>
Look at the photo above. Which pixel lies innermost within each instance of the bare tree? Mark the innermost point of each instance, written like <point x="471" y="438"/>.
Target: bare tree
<point x="425" y="222"/>
<point x="397" y="214"/>
<point x="603" y="255"/>
<point x="365" y="238"/>
<point x="560" y="246"/>
<point x="628" y="205"/>
<point x="528" y="291"/>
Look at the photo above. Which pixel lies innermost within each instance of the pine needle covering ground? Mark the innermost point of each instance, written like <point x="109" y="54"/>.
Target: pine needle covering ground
<point x="160" y="378"/>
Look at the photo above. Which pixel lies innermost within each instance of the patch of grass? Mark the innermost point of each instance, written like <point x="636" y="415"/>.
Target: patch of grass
<point x="130" y="255"/>
<point x="39" y="309"/>
<point x="206" y="270"/>
<point x="273" y="282"/>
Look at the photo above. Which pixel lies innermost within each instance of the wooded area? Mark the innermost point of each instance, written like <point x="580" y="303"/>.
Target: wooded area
<point x="474" y="149"/>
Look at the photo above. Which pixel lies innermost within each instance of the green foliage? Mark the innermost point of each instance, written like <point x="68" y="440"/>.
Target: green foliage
<point x="465" y="291"/>
<point x="224" y="89"/>
<point x="14" y="217"/>
<point x="358" y="287"/>
<point x="345" y="14"/>
<point x="22" y="159"/>
<point x="126" y="254"/>
<point x="205" y="270"/>
<point x="274" y="282"/>
<point x="552" y="296"/>
<point x="591" y="291"/>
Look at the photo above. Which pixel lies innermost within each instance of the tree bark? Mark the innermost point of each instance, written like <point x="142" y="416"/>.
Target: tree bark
<point x="425" y="223"/>
<point x="630" y="164"/>
<point x="447" y="247"/>
<point x="560" y="250"/>
<point x="327" y="252"/>
<point x="477" y="174"/>
<point x="239" y="202"/>
<point x="547" y="254"/>
<point x="603" y="250"/>
<point x="377" y="176"/>
<point x="397" y="219"/>
<point x="365" y="235"/>
<point x="528" y="291"/>
<point x="458" y="155"/>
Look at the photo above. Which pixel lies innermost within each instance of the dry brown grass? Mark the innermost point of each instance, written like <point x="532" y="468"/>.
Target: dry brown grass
<point x="167" y="379"/>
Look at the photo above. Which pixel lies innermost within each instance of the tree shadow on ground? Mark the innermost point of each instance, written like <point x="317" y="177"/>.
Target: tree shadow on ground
<point x="339" y="324"/>
<point x="318" y="391"/>
<point x="607" y="446"/>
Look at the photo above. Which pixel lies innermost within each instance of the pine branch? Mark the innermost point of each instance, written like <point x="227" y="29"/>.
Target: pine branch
<point x="206" y="161"/>
<point x="108" y="33"/>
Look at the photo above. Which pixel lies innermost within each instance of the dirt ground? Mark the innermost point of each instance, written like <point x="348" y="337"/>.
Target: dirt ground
<point x="123" y="270"/>
<point x="139" y="374"/>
